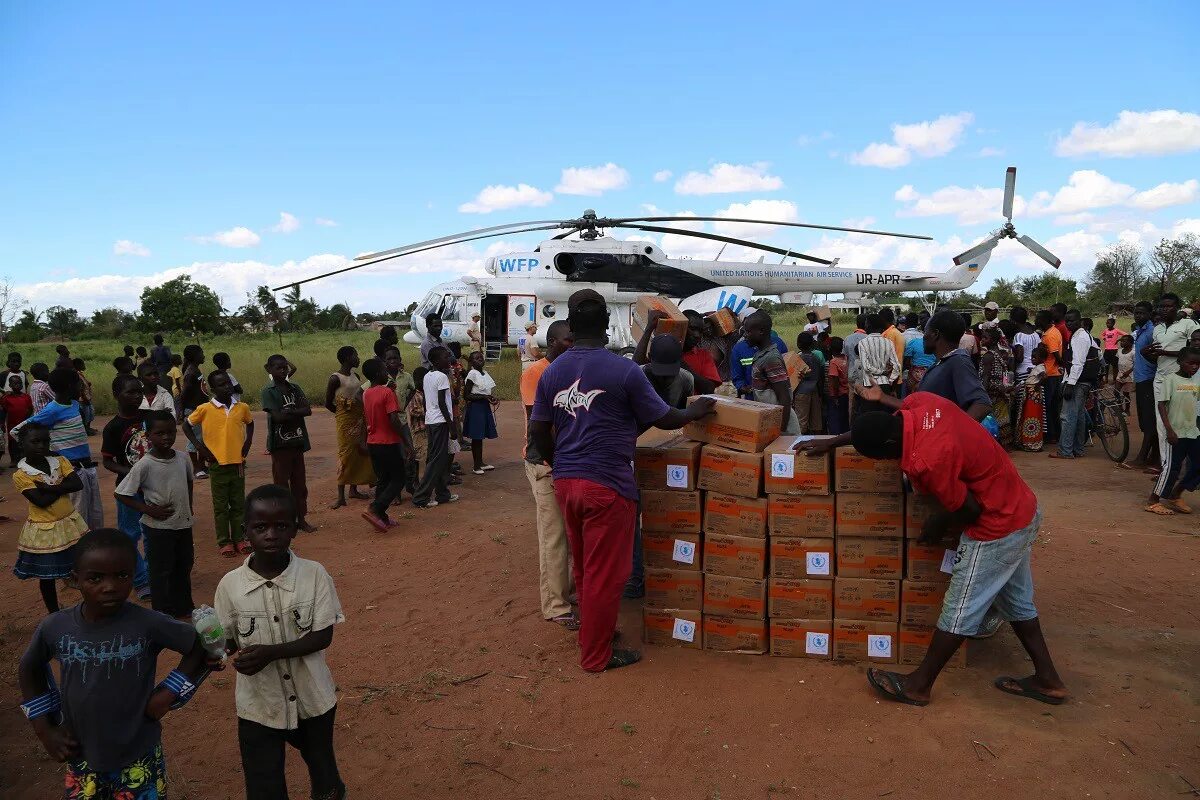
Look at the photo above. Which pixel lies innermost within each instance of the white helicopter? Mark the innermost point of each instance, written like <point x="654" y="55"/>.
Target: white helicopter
<point x="533" y="287"/>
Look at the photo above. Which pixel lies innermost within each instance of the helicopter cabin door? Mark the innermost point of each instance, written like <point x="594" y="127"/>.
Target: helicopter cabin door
<point x="522" y="310"/>
<point x="495" y="317"/>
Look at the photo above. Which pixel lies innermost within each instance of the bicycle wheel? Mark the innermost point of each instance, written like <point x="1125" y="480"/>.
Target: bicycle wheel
<point x="1112" y="427"/>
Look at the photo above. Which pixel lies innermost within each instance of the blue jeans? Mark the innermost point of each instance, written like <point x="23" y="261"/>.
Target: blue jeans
<point x="1053" y="386"/>
<point x="1074" y="421"/>
<point x="837" y="415"/>
<point x="993" y="574"/>
<point x="635" y="587"/>
<point x="130" y="523"/>
<point x="88" y="412"/>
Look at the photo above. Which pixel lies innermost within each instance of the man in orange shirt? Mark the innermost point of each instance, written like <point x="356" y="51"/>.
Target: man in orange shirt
<point x="892" y="333"/>
<point x="1053" y="342"/>
<point x="554" y="565"/>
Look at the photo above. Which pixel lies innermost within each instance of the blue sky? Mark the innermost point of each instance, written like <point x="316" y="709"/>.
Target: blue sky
<point x="140" y="141"/>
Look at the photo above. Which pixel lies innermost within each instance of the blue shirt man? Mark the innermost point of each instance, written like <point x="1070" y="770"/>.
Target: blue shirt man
<point x="742" y="357"/>
<point x="1143" y="370"/>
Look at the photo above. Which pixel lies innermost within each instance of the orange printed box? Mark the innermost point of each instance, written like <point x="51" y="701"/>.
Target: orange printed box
<point x="799" y="598"/>
<point x="666" y="461"/>
<point x="674" y="588"/>
<point x="723" y="321"/>
<point x="876" y="515"/>
<point x="735" y="635"/>
<point x="857" y="473"/>
<point x="802" y="557"/>
<point x="739" y="556"/>
<point x="735" y="516"/>
<point x="730" y="471"/>
<point x="672" y="551"/>
<point x="735" y="597"/>
<point x="802" y="638"/>
<point x="863" y="557"/>
<point x="674" y="323"/>
<point x="862" y="640"/>
<point x="866" y="598"/>
<point x="800" y="515"/>
<point x="672" y="627"/>
<point x="917" y="509"/>
<point x="669" y="511"/>
<point x="921" y="602"/>
<point x="738" y="424"/>
<point x="914" y="644"/>
<point x="787" y="472"/>
<point x="928" y="563"/>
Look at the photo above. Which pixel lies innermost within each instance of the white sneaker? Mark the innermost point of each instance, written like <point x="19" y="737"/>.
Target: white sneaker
<point x="487" y="468"/>
<point x="430" y="504"/>
<point x="453" y="499"/>
<point x="201" y="475"/>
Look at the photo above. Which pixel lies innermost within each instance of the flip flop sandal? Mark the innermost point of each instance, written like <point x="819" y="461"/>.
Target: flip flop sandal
<point x="1123" y="465"/>
<point x="1056" y="455"/>
<point x="1026" y="689"/>
<point x="376" y="522"/>
<point x="888" y="684"/>
<point x="1177" y="505"/>
<point x="1160" y="509"/>
<point x="568" y="621"/>
<point x="623" y="658"/>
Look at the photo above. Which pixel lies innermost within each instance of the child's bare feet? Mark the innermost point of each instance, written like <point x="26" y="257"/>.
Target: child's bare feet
<point x="355" y="494"/>
<point x="341" y="501"/>
<point x="307" y="527"/>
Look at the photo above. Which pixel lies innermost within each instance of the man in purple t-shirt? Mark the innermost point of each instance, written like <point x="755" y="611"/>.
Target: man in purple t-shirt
<point x="591" y="405"/>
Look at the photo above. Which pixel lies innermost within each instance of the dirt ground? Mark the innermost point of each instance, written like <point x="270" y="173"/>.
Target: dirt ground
<point x="452" y="686"/>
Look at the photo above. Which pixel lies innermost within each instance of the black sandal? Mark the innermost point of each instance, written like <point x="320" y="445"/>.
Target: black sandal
<point x="623" y="658"/>
<point x="890" y="686"/>
<point x="1027" y="689"/>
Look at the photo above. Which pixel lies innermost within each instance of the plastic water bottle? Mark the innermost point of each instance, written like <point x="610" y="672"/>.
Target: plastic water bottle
<point x="212" y="634"/>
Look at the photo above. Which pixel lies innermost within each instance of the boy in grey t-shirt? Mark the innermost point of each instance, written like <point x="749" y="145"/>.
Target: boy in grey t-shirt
<point x="164" y="479"/>
<point x="103" y="717"/>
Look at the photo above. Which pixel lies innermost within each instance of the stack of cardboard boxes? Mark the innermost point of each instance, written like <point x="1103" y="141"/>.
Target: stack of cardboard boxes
<point x="753" y="548"/>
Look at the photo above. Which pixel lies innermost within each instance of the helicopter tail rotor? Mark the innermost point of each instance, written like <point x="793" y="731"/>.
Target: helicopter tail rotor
<point x="1008" y="231"/>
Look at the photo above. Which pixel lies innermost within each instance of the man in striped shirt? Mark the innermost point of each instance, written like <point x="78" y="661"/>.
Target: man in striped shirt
<point x="877" y="364"/>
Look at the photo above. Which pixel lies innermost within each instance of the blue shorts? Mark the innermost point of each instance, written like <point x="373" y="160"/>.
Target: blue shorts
<point x="991" y="574"/>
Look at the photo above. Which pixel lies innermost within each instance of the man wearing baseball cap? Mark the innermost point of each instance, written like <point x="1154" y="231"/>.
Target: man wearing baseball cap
<point x="665" y="371"/>
<point x="590" y="406"/>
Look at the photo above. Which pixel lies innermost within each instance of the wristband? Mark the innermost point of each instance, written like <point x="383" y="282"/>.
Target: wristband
<point x="182" y="686"/>
<point x="49" y="703"/>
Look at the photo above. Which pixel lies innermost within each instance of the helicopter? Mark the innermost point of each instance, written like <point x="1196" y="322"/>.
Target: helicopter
<point x="531" y="288"/>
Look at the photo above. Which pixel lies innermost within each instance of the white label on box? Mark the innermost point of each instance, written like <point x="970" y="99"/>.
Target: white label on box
<point x="783" y="465"/>
<point x="879" y="645"/>
<point x="948" y="561"/>
<point x="816" y="644"/>
<point x="684" y="630"/>
<point x="677" y="476"/>
<point x="818" y="563"/>
<point x="684" y="552"/>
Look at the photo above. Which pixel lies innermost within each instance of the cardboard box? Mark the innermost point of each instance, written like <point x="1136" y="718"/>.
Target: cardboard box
<point x="924" y="563"/>
<point x="788" y="472"/>
<point x="738" y="424"/>
<point x="795" y="366"/>
<point x="674" y="588"/>
<point x="800" y="515"/>
<point x="738" y="556"/>
<point x="672" y="551"/>
<point x="824" y="313"/>
<point x="880" y="516"/>
<point x="723" y="321"/>
<point x="864" y="557"/>
<point x="917" y="508"/>
<point x="735" y="597"/>
<point x="921" y="602"/>
<point x="735" y="635"/>
<point x="914" y="643"/>
<point x="730" y="471"/>
<point x="672" y="627"/>
<point x="670" y="511"/>
<point x="867" y="599"/>
<point x="799" y="598"/>
<point x="666" y="461"/>
<point x="735" y="516"/>
<point x="802" y="557"/>
<point x="802" y="638"/>
<point x="857" y="473"/>
<point x="860" y="640"/>
<point x="675" y="323"/>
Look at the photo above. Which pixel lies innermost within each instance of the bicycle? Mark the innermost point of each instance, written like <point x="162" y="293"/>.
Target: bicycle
<point x="1106" y="418"/>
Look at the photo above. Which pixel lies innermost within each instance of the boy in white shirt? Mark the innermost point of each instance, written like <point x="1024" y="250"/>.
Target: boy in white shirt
<point x="285" y="692"/>
<point x="440" y="429"/>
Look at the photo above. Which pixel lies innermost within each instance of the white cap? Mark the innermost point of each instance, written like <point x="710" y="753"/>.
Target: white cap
<point x="992" y="306"/>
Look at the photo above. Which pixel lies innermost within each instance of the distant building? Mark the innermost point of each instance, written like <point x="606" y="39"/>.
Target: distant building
<point x="395" y="323"/>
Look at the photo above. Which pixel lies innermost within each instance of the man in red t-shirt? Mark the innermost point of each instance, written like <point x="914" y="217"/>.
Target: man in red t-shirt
<point x="385" y="443"/>
<point x="949" y="455"/>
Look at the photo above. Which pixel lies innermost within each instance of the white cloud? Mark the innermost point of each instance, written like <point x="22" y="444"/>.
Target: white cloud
<point x="1076" y="249"/>
<point x="1134" y="133"/>
<point x="722" y="178"/>
<point x="662" y="176"/>
<point x="287" y="223"/>
<point x="240" y="236"/>
<point x="971" y="206"/>
<point x="325" y="222"/>
<point x="1085" y="189"/>
<point x="776" y="210"/>
<point x="1167" y="194"/>
<point x="498" y="198"/>
<point x="925" y="139"/>
<point x="592" y="181"/>
<point x="125" y="247"/>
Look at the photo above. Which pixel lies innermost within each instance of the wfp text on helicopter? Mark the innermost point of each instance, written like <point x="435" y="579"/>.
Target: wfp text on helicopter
<point x="531" y="288"/>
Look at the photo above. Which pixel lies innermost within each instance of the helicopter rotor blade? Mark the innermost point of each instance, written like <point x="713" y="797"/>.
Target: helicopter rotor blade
<point x="1040" y="252"/>
<point x="616" y="222"/>
<point x="408" y="247"/>
<point x="1010" y="188"/>
<point x="727" y="239"/>
<point x="408" y="252"/>
<point x="986" y="246"/>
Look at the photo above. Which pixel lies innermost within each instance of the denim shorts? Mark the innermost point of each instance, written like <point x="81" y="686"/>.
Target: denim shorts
<point x="992" y="574"/>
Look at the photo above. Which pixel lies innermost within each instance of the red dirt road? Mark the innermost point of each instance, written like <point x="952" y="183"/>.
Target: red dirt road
<point x="452" y="594"/>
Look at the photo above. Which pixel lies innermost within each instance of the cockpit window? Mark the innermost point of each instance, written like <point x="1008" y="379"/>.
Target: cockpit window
<point x="452" y="310"/>
<point x="428" y="305"/>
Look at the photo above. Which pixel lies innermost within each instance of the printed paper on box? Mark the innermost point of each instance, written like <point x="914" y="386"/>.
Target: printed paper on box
<point x="677" y="476"/>
<point x="684" y="630"/>
<point x="948" y="561"/>
<point x="783" y="465"/>
<point x="684" y="552"/>
<point x="816" y="644"/>
<point x="879" y="645"/>
<point x="818" y="563"/>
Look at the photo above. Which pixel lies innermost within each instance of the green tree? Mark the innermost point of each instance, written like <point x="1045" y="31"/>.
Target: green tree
<point x="111" y="322"/>
<point x="181" y="305"/>
<point x="1042" y="291"/>
<point x="1175" y="266"/>
<point x="1005" y="293"/>
<point x="1118" y="275"/>
<point x="301" y="312"/>
<point x="28" y="327"/>
<point x="63" y="321"/>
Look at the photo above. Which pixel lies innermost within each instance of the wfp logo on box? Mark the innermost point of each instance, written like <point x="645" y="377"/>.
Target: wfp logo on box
<point x="684" y="630"/>
<point x="816" y="644"/>
<point x="677" y="475"/>
<point x="881" y="644"/>
<point x="818" y="561"/>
